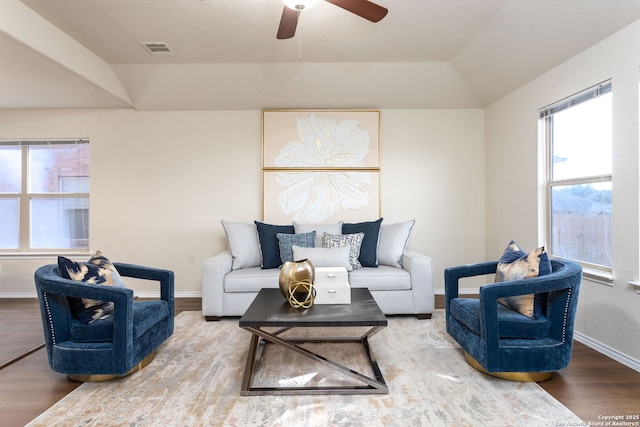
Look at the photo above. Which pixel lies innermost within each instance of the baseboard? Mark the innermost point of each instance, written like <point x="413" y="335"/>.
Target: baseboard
<point x="18" y="295"/>
<point x="461" y="291"/>
<point x="193" y="294"/>
<point x="608" y="351"/>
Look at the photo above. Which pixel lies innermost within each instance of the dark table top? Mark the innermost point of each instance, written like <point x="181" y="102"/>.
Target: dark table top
<point x="270" y="308"/>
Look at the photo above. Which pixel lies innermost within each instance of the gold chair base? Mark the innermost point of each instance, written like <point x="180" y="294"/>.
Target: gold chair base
<point x="82" y="378"/>
<point x="511" y="376"/>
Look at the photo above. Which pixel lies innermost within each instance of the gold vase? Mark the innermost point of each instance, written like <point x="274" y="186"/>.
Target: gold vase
<point x="296" y="283"/>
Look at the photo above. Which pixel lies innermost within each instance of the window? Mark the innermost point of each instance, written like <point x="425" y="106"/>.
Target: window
<point x="578" y="134"/>
<point x="44" y="195"/>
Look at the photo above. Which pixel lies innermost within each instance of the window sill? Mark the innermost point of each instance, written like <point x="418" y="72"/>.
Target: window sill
<point x="42" y="255"/>
<point x="598" y="276"/>
<point x="636" y="285"/>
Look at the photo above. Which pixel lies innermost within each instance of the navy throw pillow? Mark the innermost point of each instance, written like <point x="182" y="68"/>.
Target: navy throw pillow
<point x="269" y="245"/>
<point x="369" y="248"/>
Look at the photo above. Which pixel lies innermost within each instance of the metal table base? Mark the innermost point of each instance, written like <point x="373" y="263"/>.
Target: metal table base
<point x="260" y="337"/>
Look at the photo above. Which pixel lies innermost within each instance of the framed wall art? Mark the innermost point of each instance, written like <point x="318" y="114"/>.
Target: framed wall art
<point x="320" y="139"/>
<point x="321" y="165"/>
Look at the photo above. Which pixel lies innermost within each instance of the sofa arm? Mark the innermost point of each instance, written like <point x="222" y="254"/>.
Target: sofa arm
<point x="420" y="267"/>
<point x="213" y="271"/>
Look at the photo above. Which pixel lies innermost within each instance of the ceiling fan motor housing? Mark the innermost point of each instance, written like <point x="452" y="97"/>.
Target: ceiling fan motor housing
<point x="299" y="5"/>
<point x="292" y="8"/>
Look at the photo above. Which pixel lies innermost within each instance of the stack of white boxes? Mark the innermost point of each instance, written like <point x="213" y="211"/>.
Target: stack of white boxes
<point x="332" y="286"/>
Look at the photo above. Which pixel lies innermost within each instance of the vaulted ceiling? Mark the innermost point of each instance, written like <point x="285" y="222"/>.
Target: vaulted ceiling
<point x="423" y="54"/>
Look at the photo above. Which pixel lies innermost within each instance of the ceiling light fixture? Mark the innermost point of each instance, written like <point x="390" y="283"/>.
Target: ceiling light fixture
<point x="299" y="5"/>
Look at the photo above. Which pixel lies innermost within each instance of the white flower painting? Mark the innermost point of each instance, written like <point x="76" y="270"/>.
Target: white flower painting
<point x="314" y="196"/>
<point x="321" y="184"/>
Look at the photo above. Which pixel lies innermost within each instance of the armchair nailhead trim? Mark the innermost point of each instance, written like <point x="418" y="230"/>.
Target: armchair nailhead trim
<point x="84" y="350"/>
<point x="564" y="325"/>
<point x="558" y="344"/>
<point x="566" y="313"/>
<point x="49" y="319"/>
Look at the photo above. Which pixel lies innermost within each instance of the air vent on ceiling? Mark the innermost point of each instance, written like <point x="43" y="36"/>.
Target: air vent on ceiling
<point x="159" y="48"/>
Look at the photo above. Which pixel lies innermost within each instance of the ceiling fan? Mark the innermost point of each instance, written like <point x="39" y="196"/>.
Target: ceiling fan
<point x="292" y="9"/>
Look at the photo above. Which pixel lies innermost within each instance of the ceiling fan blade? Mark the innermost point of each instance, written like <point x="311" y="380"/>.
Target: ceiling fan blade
<point x="363" y="8"/>
<point x="288" y="23"/>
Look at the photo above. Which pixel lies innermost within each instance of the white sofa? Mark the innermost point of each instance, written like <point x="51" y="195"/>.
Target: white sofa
<point x="228" y="289"/>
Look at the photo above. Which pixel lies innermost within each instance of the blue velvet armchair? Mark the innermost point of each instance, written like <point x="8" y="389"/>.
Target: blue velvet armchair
<point x="109" y="347"/>
<point x="505" y="343"/>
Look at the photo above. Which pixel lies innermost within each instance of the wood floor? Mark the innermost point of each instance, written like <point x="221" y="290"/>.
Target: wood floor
<point x="20" y="329"/>
<point x="592" y="386"/>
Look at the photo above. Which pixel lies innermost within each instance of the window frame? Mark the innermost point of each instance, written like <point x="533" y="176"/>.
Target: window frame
<point x="545" y="116"/>
<point x="25" y="196"/>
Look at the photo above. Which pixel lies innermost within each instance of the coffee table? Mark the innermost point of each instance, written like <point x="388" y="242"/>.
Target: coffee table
<point x="270" y="310"/>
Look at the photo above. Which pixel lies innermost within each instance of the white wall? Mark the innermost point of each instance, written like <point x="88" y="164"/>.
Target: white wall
<point x="162" y="181"/>
<point x="607" y="316"/>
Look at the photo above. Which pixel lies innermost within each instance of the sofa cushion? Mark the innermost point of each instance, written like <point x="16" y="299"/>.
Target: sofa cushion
<point x="324" y="257"/>
<point x="243" y="244"/>
<point x="369" y="248"/>
<point x="287" y="241"/>
<point x="383" y="278"/>
<point x="510" y="323"/>
<point x="98" y="271"/>
<point x="354" y="241"/>
<point x="269" y="247"/>
<point x="146" y="314"/>
<point x="393" y="242"/>
<point x="251" y="279"/>
<point x="320" y="229"/>
<point x="515" y="264"/>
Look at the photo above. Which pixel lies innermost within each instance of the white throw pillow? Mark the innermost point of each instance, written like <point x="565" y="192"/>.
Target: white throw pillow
<point x="324" y="257"/>
<point x="354" y="241"/>
<point x="244" y="246"/>
<point x="393" y="242"/>
<point x="320" y="229"/>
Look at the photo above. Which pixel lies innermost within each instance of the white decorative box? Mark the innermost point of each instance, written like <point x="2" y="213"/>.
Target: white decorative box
<point x="332" y="286"/>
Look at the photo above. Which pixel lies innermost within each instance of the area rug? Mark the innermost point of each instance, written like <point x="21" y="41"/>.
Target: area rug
<point x="196" y="376"/>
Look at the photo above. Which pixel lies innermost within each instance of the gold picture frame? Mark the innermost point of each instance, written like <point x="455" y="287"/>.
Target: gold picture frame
<point x="320" y="165"/>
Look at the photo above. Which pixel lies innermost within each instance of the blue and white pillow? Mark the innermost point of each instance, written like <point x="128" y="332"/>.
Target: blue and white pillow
<point x="97" y="271"/>
<point x="354" y="241"/>
<point x="287" y="241"/>
<point x="320" y="229"/>
<point x="369" y="248"/>
<point x="516" y="264"/>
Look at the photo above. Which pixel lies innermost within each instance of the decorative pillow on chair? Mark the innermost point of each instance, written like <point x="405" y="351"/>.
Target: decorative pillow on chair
<point x="98" y="271"/>
<point x="393" y="242"/>
<point x="369" y="249"/>
<point x="324" y="257"/>
<point x="320" y="229"/>
<point x="269" y="247"/>
<point x="286" y="242"/>
<point x="354" y="241"/>
<point x="242" y="239"/>
<point x="515" y="264"/>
